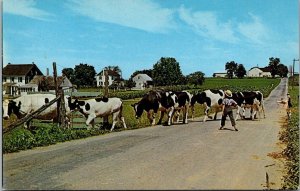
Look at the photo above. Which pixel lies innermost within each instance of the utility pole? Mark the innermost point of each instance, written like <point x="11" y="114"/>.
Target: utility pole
<point x="105" y="119"/>
<point x="294" y="71"/>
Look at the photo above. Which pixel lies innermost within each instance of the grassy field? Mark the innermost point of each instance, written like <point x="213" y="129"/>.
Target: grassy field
<point x="290" y="137"/>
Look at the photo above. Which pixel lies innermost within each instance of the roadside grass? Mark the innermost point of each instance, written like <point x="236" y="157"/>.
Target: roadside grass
<point x="290" y="137"/>
<point x="46" y="134"/>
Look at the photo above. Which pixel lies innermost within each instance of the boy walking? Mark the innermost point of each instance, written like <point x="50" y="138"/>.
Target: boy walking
<point x="228" y="104"/>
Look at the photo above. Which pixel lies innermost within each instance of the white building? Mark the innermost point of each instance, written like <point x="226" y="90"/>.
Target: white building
<point x="220" y="74"/>
<point x="259" y="72"/>
<point x="112" y="76"/>
<point x="18" y="75"/>
<point x="142" y="81"/>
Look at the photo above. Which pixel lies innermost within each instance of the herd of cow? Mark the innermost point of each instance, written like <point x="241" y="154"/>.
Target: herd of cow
<point x="169" y="102"/>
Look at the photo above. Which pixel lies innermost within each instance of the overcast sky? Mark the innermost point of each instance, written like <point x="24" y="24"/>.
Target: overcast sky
<point x="202" y="35"/>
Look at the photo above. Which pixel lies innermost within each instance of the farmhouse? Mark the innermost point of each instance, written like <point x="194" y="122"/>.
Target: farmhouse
<point x="113" y="76"/>
<point x="142" y="81"/>
<point x="259" y="72"/>
<point x="220" y="74"/>
<point x="16" y="75"/>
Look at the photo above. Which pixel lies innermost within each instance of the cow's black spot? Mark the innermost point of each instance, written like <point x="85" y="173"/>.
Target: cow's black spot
<point x="87" y="107"/>
<point x="220" y="101"/>
<point x="46" y="100"/>
<point x="98" y="99"/>
<point x="81" y="103"/>
<point x="105" y="99"/>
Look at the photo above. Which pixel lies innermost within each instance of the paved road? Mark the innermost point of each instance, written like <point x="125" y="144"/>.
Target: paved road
<point x="192" y="156"/>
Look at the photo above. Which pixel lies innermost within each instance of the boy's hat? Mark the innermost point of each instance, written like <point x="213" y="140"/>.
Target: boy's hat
<point x="228" y="93"/>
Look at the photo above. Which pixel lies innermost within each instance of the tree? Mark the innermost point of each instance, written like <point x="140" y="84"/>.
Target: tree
<point x="114" y="68"/>
<point x="231" y="67"/>
<point x="129" y="83"/>
<point x="84" y="75"/>
<point x="282" y="70"/>
<point x="147" y="71"/>
<point x="167" y="71"/>
<point x="273" y="64"/>
<point x="69" y="73"/>
<point x="240" y="71"/>
<point x="196" y="78"/>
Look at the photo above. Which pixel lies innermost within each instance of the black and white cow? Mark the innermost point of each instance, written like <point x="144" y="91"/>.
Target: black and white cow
<point x="253" y="100"/>
<point x="211" y="99"/>
<point x="157" y="100"/>
<point x="101" y="107"/>
<point x="184" y="102"/>
<point x="27" y="104"/>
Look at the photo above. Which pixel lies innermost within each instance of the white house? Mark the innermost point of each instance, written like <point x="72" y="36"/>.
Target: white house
<point x="17" y="75"/>
<point x="259" y="72"/>
<point x="142" y="81"/>
<point x="112" y="76"/>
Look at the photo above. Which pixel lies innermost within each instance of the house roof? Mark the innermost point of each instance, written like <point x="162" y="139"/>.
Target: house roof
<point x="265" y="69"/>
<point x="145" y="77"/>
<point x="50" y="80"/>
<point x="19" y="69"/>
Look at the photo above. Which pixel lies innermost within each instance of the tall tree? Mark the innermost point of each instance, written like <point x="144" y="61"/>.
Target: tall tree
<point x="231" y="67"/>
<point x="273" y="64"/>
<point x="240" y="71"/>
<point x="69" y="73"/>
<point x="114" y="68"/>
<point x="282" y="70"/>
<point x="167" y="71"/>
<point x="196" y="78"/>
<point x="84" y="75"/>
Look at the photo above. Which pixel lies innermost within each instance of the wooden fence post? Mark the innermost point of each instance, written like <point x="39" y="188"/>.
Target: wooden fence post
<point x="105" y="119"/>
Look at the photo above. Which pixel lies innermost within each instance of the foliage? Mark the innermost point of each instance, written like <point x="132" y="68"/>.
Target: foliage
<point x="240" y="71"/>
<point x="282" y="70"/>
<point x="70" y="74"/>
<point x="231" y="68"/>
<point x="167" y="72"/>
<point x="84" y="75"/>
<point x="290" y="136"/>
<point x="116" y="69"/>
<point x="196" y="78"/>
<point x="273" y="64"/>
<point x="45" y="134"/>
<point x="147" y="71"/>
<point x="129" y="83"/>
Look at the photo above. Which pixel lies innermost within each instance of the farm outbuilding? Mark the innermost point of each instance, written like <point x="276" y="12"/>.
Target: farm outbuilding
<point x="142" y="81"/>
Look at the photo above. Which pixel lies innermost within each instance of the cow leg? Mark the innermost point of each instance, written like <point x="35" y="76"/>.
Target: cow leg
<point x="162" y="113"/>
<point x="150" y="117"/>
<point x="215" y="116"/>
<point x="238" y="113"/>
<point x="114" y="120"/>
<point x="90" y="119"/>
<point x="193" y="112"/>
<point x="170" y="115"/>
<point x="206" y="114"/>
<point x="122" y="118"/>
<point x="185" y="114"/>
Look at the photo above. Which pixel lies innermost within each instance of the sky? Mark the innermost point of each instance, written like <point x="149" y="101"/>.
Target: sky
<point x="202" y="35"/>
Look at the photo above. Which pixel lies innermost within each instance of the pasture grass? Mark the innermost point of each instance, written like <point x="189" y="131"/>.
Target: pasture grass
<point x="290" y="137"/>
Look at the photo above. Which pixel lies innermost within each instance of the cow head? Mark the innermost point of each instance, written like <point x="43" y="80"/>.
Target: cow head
<point x="11" y="107"/>
<point x="138" y="109"/>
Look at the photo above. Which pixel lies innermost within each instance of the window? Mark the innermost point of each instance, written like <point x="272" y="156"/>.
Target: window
<point x="12" y="79"/>
<point x="4" y="79"/>
<point x="20" y="79"/>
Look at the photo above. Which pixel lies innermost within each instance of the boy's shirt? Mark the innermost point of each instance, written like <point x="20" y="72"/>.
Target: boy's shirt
<point x="228" y="102"/>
